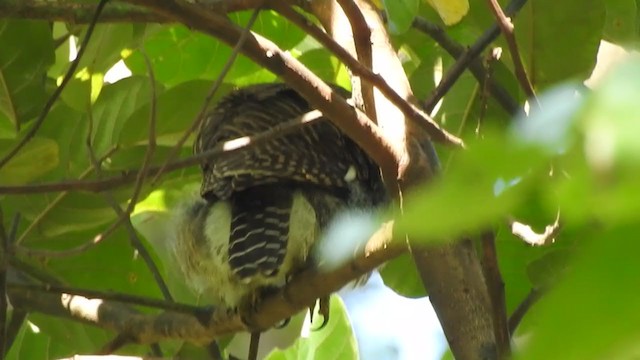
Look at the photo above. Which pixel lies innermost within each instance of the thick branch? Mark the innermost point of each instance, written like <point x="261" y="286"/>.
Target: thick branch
<point x="76" y="12"/>
<point x="296" y="296"/>
<point x="451" y="273"/>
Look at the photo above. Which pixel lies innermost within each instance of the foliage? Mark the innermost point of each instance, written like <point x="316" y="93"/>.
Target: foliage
<point x="576" y="155"/>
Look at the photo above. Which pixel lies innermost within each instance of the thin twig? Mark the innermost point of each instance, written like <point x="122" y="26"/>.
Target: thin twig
<point x="52" y="205"/>
<point x="362" y="41"/>
<point x="123" y="216"/>
<point x="151" y="139"/>
<point x="214" y="88"/>
<point x="202" y="327"/>
<point x="104" y="295"/>
<point x="506" y="26"/>
<point x="56" y="94"/>
<point x="519" y="313"/>
<point x="465" y="59"/>
<point x="455" y="49"/>
<point x="80" y="249"/>
<point x="127" y="177"/>
<point x="254" y="344"/>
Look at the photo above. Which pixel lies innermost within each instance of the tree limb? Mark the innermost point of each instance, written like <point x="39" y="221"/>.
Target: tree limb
<point x="451" y="273"/>
<point x="302" y="291"/>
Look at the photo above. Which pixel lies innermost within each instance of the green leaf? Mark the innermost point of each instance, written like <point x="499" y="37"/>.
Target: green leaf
<point x="593" y="312"/>
<point x="105" y="46"/>
<point x="483" y="185"/>
<point x="559" y="40"/>
<point x="605" y="167"/>
<point x="401" y="276"/>
<point x="36" y="158"/>
<point x="401" y="14"/>
<point x="334" y="341"/>
<point x="177" y="108"/>
<point x="545" y="271"/>
<point x="622" y="21"/>
<point x="27" y="51"/>
<point x="125" y="272"/>
<point x="178" y="54"/>
<point x="114" y="107"/>
<point x="74" y="212"/>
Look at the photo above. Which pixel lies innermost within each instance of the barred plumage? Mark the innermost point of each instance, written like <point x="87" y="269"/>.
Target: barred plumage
<point x="275" y="197"/>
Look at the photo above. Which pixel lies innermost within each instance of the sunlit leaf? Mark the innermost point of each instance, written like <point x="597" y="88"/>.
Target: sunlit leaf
<point x="451" y="11"/>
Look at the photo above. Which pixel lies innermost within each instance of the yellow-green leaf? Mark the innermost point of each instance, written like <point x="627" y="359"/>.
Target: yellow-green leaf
<point x="451" y="11"/>
<point x="36" y="158"/>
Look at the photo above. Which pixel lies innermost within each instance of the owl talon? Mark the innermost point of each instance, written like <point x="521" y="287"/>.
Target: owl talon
<point x="282" y="324"/>
<point x="323" y="310"/>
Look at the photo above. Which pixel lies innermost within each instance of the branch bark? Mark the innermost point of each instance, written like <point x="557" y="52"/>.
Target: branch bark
<point x="451" y="273"/>
<point x="199" y="328"/>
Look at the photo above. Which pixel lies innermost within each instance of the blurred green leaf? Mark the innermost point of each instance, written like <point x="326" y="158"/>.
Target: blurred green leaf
<point x="604" y="168"/>
<point x="592" y="313"/>
<point x="27" y="51"/>
<point x="482" y="186"/>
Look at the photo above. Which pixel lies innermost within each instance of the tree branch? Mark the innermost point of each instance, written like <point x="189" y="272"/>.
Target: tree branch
<point x="463" y="61"/>
<point x="130" y="176"/>
<point x="451" y="273"/>
<point x="506" y="26"/>
<point x="302" y="291"/>
<point x="478" y="70"/>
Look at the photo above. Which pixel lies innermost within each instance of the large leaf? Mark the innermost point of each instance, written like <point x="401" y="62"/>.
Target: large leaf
<point x="105" y="47"/>
<point x="27" y="51"/>
<point x="559" y="39"/>
<point x="177" y="108"/>
<point x="593" y="313"/>
<point x="37" y="157"/>
<point x="179" y="55"/>
<point x="116" y="104"/>
<point x="482" y="186"/>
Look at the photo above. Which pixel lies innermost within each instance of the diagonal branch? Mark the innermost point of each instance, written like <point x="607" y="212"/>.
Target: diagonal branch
<point x="467" y="57"/>
<point x="181" y="323"/>
<point x="506" y="26"/>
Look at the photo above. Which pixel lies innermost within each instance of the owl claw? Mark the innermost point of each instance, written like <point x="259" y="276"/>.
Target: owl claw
<point x="323" y="309"/>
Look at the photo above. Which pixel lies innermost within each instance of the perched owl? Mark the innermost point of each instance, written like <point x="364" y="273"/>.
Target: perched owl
<point x="262" y="208"/>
